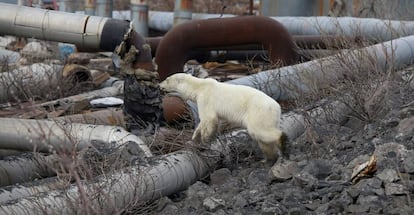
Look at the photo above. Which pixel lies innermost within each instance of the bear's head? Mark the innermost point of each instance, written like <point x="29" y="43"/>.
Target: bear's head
<point x="172" y="83"/>
<point x="178" y="83"/>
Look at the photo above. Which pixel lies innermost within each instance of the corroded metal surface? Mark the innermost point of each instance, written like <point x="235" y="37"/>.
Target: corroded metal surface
<point x="174" y="48"/>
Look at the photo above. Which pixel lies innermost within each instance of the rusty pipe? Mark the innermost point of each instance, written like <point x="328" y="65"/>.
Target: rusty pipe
<point x="174" y="48"/>
<point x="301" y="41"/>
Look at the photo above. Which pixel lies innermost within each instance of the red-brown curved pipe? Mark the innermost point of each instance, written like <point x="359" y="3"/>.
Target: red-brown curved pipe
<point x="174" y="48"/>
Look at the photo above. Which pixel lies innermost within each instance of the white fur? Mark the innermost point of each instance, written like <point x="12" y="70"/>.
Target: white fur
<point x="240" y="105"/>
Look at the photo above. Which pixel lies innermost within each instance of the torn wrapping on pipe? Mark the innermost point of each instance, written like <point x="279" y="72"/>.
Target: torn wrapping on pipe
<point x="116" y="89"/>
<point x="28" y="80"/>
<point x="20" y="169"/>
<point x="47" y="136"/>
<point x="13" y="192"/>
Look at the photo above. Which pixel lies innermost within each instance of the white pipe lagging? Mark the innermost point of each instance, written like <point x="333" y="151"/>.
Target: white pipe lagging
<point x="368" y="28"/>
<point x="50" y="136"/>
<point x="287" y="82"/>
<point x="381" y="30"/>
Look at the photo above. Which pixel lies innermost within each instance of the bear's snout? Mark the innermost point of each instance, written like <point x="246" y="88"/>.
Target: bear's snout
<point x="162" y="86"/>
<point x="165" y="87"/>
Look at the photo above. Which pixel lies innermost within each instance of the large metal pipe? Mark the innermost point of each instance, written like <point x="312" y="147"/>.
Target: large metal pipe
<point x="47" y="136"/>
<point x="91" y="33"/>
<point x="139" y="16"/>
<point x="174" y="48"/>
<point x="29" y="81"/>
<point x="372" y="29"/>
<point x="302" y="78"/>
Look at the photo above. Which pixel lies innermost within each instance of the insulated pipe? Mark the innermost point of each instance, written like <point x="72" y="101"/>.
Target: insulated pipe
<point x="174" y="48"/>
<point x="104" y="8"/>
<point x="182" y="11"/>
<point x="166" y="174"/>
<point x="18" y="169"/>
<point x="90" y="33"/>
<point x="369" y="28"/>
<point x="301" y="78"/>
<point x="139" y="16"/>
<point x="46" y="136"/>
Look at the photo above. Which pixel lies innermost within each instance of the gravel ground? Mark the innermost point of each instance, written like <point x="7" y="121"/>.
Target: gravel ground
<point x="316" y="178"/>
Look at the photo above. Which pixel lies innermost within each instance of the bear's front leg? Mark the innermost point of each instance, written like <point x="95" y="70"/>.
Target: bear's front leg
<point x="205" y="130"/>
<point x="269" y="151"/>
<point x="196" y="134"/>
<point x="208" y="123"/>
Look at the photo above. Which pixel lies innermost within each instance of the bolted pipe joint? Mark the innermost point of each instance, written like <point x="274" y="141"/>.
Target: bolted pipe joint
<point x="174" y="49"/>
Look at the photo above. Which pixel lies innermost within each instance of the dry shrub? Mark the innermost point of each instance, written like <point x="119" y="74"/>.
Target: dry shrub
<point x="237" y="7"/>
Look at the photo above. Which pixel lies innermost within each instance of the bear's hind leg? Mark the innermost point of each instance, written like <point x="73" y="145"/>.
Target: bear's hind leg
<point x="269" y="140"/>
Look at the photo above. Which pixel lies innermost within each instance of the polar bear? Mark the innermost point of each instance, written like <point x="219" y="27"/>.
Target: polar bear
<point x="239" y="105"/>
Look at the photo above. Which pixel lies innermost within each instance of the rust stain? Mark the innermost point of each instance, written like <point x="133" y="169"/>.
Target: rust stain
<point x="186" y="4"/>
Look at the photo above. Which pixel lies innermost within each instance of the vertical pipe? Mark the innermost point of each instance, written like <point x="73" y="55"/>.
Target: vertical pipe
<point x="251" y="7"/>
<point x="139" y="16"/>
<point x="320" y="7"/>
<point x="104" y="8"/>
<point x="66" y="6"/>
<point x="182" y="11"/>
<point x="90" y="7"/>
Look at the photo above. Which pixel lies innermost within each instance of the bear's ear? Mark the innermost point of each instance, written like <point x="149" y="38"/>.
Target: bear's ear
<point x="180" y="78"/>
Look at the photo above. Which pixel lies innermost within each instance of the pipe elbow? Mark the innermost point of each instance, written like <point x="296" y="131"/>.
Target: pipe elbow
<point x="174" y="48"/>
